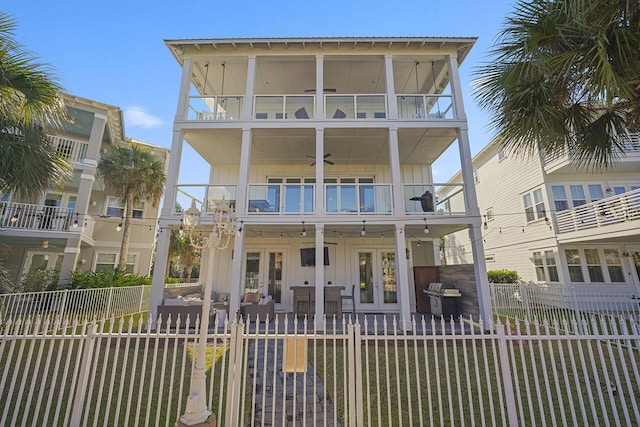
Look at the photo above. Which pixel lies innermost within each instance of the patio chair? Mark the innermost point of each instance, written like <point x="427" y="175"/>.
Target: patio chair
<point x="301" y="113"/>
<point x="351" y="297"/>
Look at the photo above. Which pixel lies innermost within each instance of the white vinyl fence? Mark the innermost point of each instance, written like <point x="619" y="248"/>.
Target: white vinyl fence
<point x="285" y="372"/>
<point x="66" y="305"/>
<point x="553" y="302"/>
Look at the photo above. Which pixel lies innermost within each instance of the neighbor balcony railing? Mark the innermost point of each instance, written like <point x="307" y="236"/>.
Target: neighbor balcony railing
<point x="37" y="217"/>
<point x="612" y="210"/>
<point x="370" y="106"/>
<point x="425" y="107"/>
<point x="206" y="197"/>
<point x="630" y="148"/>
<point x="69" y="149"/>
<point x="283" y="107"/>
<point x="209" y="107"/>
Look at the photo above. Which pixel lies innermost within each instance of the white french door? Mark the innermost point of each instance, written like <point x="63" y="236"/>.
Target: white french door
<point x="376" y="288"/>
<point x="263" y="272"/>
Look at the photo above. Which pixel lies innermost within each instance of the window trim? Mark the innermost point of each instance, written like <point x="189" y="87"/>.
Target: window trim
<point x="121" y="207"/>
<point x="538" y="210"/>
<point x="136" y="258"/>
<point x="604" y="267"/>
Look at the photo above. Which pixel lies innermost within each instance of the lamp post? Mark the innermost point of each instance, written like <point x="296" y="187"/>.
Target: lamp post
<point x="218" y="239"/>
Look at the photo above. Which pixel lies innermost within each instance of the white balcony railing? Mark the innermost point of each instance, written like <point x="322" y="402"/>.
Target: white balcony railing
<point x="283" y="107"/>
<point x="38" y="217"/>
<point x="342" y="106"/>
<point x="630" y="148"/>
<point x="425" y="107"/>
<point x="612" y="210"/>
<point x="69" y="149"/>
<point x="220" y="108"/>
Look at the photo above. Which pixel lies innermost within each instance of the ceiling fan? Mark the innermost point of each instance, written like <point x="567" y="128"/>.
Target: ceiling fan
<point x="329" y="162"/>
<point x="325" y="242"/>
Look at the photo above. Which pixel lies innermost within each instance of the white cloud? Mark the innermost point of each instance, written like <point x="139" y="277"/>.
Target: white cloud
<point x="137" y="116"/>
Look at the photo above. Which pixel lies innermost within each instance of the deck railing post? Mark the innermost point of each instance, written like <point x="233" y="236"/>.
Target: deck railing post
<point x="109" y="302"/>
<point x="83" y="377"/>
<point x="509" y="392"/>
<point x="63" y="307"/>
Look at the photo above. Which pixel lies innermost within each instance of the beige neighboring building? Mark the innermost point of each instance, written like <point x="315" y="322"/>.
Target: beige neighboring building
<point x="553" y="222"/>
<point x="325" y="147"/>
<point x="74" y="227"/>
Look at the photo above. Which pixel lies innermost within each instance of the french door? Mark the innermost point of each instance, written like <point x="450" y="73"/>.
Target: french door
<point x="263" y="272"/>
<point x="376" y="279"/>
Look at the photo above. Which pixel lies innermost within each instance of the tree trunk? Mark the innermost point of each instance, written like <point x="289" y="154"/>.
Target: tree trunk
<point x="126" y="234"/>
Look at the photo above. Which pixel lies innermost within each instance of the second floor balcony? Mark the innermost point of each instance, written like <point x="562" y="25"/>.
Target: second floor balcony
<point x="70" y="150"/>
<point x="627" y="158"/>
<point x="617" y="209"/>
<point x="337" y="107"/>
<point x="338" y="198"/>
<point x="38" y="217"/>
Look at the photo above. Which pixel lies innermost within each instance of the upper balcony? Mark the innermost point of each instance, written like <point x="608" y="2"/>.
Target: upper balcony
<point x="628" y="159"/>
<point x="279" y="199"/>
<point x="42" y="218"/>
<point x="605" y="215"/>
<point x="71" y="150"/>
<point x="336" y="107"/>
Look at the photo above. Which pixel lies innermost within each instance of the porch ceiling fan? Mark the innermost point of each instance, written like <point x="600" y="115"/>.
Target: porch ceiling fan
<point x="324" y="159"/>
<point x="325" y="242"/>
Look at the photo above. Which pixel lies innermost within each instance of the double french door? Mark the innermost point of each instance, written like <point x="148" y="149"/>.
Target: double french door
<point x="263" y="272"/>
<point x="376" y="289"/>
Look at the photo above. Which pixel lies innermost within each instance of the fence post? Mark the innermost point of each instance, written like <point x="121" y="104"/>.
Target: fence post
<point x="358" y="396"/>
<point x="509" y="392"/>
<point x="83" y="377"/>
<point x="351" y="366"/>
<point x="235" y="371"/>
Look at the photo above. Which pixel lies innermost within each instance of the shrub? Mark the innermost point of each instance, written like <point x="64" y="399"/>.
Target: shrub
<point x="503" y="276"/>
<point x="42" y="279"/>
<point x="105" y="279"/>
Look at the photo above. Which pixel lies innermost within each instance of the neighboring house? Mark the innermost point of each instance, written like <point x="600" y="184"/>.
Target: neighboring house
<point x="74" y="226"/>
<point x="554" y="222"/>
<point x="325" y="147"/>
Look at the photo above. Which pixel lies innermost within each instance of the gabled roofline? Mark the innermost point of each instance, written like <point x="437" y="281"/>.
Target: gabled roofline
<point x="115" y="116"/>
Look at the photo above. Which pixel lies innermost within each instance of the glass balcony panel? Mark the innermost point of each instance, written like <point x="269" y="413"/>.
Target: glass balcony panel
<point x="269" y="107"/>
<point x="281" y="198"/>
<point x="215" y="107"/>
<point x="429" y="107"/>
<point x="300" y="107"/>
<point x="419" y="198"/>
<point x="340" y="107"/>
<point x="359" y="198"/>
<point x="371" y="107"/>
<point x="439" y="107"/>
<point x="206" y="197"/>
<point x="411" y="107"/>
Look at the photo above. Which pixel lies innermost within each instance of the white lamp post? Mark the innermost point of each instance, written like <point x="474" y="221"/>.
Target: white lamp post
<point x="218" y="239"/>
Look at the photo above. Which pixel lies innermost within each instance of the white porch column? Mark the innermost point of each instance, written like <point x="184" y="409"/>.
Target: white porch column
<point x="319" y="208"/>
<point x="88" y="171"/>
<point x="236" y="274"/>
<point x="396" y="176"/>
<point x="392" y="104"/>
<point x="480" y="271"/>
<point x="183" y="95"/>
<point x="243" y="178"/>
<point x="247" y="107"/>
<point x="319" y="107"/>
<point x="319" y="275"/>
<point x="402" y="279"/>
<point x="159" y="271"/>
<point x="169" y="204"/>
<point x="456" y="90"/>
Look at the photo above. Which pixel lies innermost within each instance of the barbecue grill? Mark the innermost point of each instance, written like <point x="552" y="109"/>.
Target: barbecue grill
<point x="443" y="299"/>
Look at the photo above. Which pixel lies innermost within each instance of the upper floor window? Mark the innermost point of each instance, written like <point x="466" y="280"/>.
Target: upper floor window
<point x="574" y="195"/>
<point x="489" y="214"/>
<point x="116" y="208"/>
<point x="534" y="205"/>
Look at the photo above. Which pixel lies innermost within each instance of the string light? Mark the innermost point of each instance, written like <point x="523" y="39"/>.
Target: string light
<point x="304" y="232"/>
<point x="363" y="232"/>
<point x="75" y="222"/>
<point x="485" y="225"/>
<point x="426" y="226"/>
<point x="119" y="226"/>
<point x="240" y="228"/>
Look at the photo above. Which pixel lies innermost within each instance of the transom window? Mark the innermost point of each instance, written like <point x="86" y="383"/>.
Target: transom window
<point x="116" y="208"/>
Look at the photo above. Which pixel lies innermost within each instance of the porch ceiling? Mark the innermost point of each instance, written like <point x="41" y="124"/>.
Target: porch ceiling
<point x="348" y="146"/>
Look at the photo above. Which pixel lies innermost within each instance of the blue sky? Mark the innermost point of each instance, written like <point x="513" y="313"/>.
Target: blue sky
<point x="113" y="51"/>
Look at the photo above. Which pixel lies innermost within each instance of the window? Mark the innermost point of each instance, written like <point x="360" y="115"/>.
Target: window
<point x="108" y="261"/>
<point x="595" y="191"/>
<point x="593" y="265"/>
<point x="501" y="154"/>
<point x="490" y="258"/>
<point x="614" y="265"/>
<point x="534" y="210"/>
<point x="574" y="265"/>
<point x="559" y="197"/>
<point x="577" y="195"/>
<point x="552" y="269"/>
<point x="489" y="214"/>
<point x="539" y="265"/>
<point x="116" y="208"/>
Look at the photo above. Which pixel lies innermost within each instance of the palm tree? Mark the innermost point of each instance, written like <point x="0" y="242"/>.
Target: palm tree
<point x="181" y="249"/>
<point x="133" y="174"/>
<point x="30" y="102"/>
<point x="565" y="76"/>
